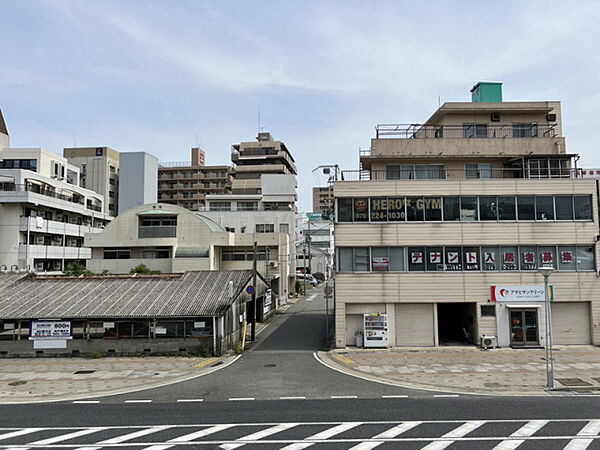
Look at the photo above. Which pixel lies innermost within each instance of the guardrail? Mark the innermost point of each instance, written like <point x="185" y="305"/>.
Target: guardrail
<point x="459" y="174"/>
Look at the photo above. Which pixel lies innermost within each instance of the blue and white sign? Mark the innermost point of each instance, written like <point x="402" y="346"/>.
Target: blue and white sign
<point x="51" y="329"/>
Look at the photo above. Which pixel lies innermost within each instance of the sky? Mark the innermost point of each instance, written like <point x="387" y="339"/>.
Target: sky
<point x="163" y="76"/>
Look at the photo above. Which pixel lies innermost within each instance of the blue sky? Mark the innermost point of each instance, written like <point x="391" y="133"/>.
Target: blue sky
<point x="153" y="75"/>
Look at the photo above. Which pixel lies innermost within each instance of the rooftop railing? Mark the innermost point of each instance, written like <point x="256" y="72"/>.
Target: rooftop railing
<point x="460" y="174"/>
<point x="465" y="131"/>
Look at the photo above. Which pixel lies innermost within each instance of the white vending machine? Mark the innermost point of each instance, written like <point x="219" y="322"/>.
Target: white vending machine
<point x="376" y="330"/>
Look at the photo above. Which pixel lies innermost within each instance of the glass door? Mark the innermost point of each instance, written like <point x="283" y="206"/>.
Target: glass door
<point x="523" y="327"/>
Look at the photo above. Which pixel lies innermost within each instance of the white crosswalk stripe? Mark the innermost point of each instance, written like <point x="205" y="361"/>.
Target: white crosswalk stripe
<point x="66" y="437"/>
<point x="261" y="434"/>
<point x="17" y="433"/>
<point x="134" y="435"/>
<point x="591" y="429"/>
<point x="191" y="436"/>
<point x="526" y="430"/>
<point x="388" y="434"/>
<point x="325" y="434"/>
<point x="459" y="432"/>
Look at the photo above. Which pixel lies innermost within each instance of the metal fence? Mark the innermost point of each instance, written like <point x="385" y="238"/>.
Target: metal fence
<point x="465" y="131"/>
<point x="157" y="231"/>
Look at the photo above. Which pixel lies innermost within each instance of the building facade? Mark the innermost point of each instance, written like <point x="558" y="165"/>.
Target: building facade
<point x="187" y="183"/>
<point x="99" y="169"/>
<point x="323" y="200"/>
<point x="445" y="225"/>
<point x="139" y="172"/>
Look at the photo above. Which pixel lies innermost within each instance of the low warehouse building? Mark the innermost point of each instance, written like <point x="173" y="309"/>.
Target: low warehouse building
<point x="197" y="312"/>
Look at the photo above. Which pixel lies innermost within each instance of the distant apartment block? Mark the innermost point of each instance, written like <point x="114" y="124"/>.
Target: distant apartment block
<point x="139" y="172"/>
<point x="323" y="200"/>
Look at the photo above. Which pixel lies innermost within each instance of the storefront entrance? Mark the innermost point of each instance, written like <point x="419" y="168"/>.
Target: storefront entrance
<point x="524" y="327"/>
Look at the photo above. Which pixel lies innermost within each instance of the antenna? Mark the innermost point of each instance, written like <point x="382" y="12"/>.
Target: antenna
<point x="439" y="101"/>
<point x="196" y="139"/>
<point x="258" y="119"/>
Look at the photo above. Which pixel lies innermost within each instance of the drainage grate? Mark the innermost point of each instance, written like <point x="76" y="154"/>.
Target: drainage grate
<point x="83" y="372"/>
<point x="573" y="382"/>
<point x="270" y="365"/>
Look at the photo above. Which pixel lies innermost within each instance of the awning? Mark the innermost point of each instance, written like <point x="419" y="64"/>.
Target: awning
<point x="522" y="305"/>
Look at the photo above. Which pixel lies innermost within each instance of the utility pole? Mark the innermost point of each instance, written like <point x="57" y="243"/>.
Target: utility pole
<point x="304" y="258"/>
<point x="309" y="238"/>
<point x="253" y="328"/>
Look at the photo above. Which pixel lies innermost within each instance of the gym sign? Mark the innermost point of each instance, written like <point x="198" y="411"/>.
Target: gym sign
<point x="520" y="293"/>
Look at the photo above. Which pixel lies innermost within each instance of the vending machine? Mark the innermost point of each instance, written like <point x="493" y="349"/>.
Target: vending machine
<point x="376" y="330"/>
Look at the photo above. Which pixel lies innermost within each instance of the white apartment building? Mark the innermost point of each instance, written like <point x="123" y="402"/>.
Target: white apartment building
<point x="44" y="213"/>
<point x="445" y="225"/>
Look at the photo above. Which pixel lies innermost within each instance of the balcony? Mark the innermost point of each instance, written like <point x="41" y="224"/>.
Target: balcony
<point x="39" y="225"/>
<point x="54" y="252"/>
<point x="470" y="131"/>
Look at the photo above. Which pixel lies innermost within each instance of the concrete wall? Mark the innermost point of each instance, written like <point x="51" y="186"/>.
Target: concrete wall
<point x="138" y="177"/>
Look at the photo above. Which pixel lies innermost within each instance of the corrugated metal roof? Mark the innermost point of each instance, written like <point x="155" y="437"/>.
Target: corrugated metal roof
<point x="197" y="293"/>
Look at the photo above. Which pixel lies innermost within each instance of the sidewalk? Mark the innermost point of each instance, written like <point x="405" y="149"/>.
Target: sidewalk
<point x="471" y="370"/>
<point x="44" y="379"/>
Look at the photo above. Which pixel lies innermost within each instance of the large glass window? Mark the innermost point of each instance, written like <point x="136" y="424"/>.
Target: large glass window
<point x="509" y="259"/>
<point x="471" y="258"/>
<point x="583" y="207"/>
<point x="453" y="258"/>
<point x="415" y="209"/>
<point x="475" y="130"/>
<point x="528" y="259"/>
<point x="490" y="258"/>
<point x="361" y="259"/>
<point x="544" y="207"/>
<point x="525" y="208"/>
<point x="451" y="208"/>
<point x="567" y="257"/>
<point x="416" y="259"/>
<point x="435" y="259"/>
<point x="346" y="259"/>
<point x="361" y="209"/>
<point x="380" y="261"/>
<point x="379" y="209"/>
<point x="397" y="259"/>
<point x="475" y="171"/>
<point x="506" y="208"/>
<point x="396" y="211"/>
<point x="488" y="208"/>
<point x="564" y="207"/>
<point x="344" y="210"/>
<point x="585" y="258"/>
<point x="433" y="208"/>
<point x="547" y="256"/>
<point x="468" y="209"/>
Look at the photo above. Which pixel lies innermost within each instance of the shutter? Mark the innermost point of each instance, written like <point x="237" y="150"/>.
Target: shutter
<point x="414" y="325"/>
<point x="570" y="323"/>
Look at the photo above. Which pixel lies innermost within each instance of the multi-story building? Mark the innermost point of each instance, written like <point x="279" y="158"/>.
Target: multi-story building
<point x="99" y="169"/>
<point x="253" y="159"/>
<point x="446" y="224"/>
<point x="323" y="199"/>
<point x="139" y="180"/>
<point x="187" y="183"/>
<point x="44" y="212"/>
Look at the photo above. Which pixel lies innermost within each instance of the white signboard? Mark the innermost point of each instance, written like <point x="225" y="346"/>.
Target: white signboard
<point x="267" y="298"/>
<point x="51" y="329"/>
<point x="108" y="325"/>
<point x="46" y="344"/>
<point x="161" y="330"/>
<point x="520" y="293"/>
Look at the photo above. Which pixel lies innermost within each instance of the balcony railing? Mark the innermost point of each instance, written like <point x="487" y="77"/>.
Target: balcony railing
<point x="460" y="174"/>
<point x="160" y="231"/>
<point x="11" y="187"/>
<point x="468" y="131"/>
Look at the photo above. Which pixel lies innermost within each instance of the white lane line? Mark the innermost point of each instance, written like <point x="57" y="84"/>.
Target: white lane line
<point x="525" y="431"/>
<point x="134" y="435"/>
<point x="446" y="396"/>
<point x="66" y="437"/>
<point x="591" y="430"/>
<point x="343" y="396"/>
<point x="240" y="399"/>
<point x="138" y="401"/>
<point x="191" y="436"/>
<point x="86" y="402"/>
<point x="22" y="432"/>
<point x="388" y="434"/>
<point x="459" y="432"/>
<point x="260" y="434"/>
<point x="300" y="397"/>
<point x="189" y="400"/>
<point x="394" y="396"/>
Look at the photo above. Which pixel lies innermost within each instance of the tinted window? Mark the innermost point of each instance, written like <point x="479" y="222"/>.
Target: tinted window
<point x="397" y="260"/>
<point x="509" y="261"/>
<point x="585" y="258"/>
<point x="583" y="207"/>
<point x="379" y="209"/>
<point x="564" y="207"/>
<point x="396" y="210"/>
<point x="547" y="256"/>
<point x="525" y="208"/>
<point x="361" y="209"/>
<point x="433" y="208"/>
<point x="435" y="259"/>
<point x="414" y="209"/>
<point x="416" y="259"/>
<point x="380" y="261"/>
<point x="528" y="259"/>
<point x="468" y="209"/>
<point x="451" y="209"/>
<point x="453" y="259"/>
<point x="506" y="208"/>
<point x="471" y="258"/>
<point x="488" y="208"/>
<point x="345" y="259"/>
<point x="567" y="258"/>
<point x="490" y="258"/>
<point x="344" y="210"/>
<point x="544" y="207"/>
<point x="361" y="259"/>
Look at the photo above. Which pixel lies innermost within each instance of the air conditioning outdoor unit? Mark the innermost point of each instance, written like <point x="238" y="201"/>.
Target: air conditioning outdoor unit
<point x="273" y="263"/>
<point x="489" y="341"/>
<point x="495" y="117"/>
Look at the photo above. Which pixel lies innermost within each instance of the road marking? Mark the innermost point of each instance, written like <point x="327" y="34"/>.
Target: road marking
<point x="86" y="402"/>
<point x="388" y="434"/>
<point x="343" y="396"/>
<point x="240" y="399"/>
<point x="311" y="298"/>
<point x="138" y="401"/>
<point x="591" y="429"/>
<point x="261" y="434"/>
<point x="134" y="435"/>
<point x="191" y="436"/>
<point x="293" y="398"/>
<point x="526" y="430"/>
<point x="325" y="434"/>
<point x="190" y="400"/>
<point x="13" y="434"/>
<point x="66" y="437"/>
<point x="459" y="432"/>
<point x="394" y="396"/>
<point x="446" y="396"/>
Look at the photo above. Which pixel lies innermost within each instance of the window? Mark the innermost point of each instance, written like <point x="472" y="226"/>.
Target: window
<point x="509" y="259"/>
<point x="488" y="310"/>
<point x="451" y="208"/>
<point x="111" y="194"/>
<point x="453" y="259"/>
<point x="380" y="261"/>
<point x="346" y="257"/>
<point x="361" y="209"/>
<point x="156" y="253"/>
<point x="415" y="209"/>
<point x="265" y="228"/>
<point x="379" y="210"/>
<point x="564" y="207"/>
<point x="475" y="130"/>
<point x="506" y="208"/>
<point x="583" y="207"/>
<point x="433" y="208"/>
<point x="468" y="209"/>
<point x="230" y="229"/>
<point x="361" y="259"/>
<point x="397" y="259"/>
<point x="206" y="185"/>
<point x="112" y="182"/>
<point x="528" y="259"/>
<point x="585" y="258"/>
<point x="112" y="169"/>
<point x="488" y="208"/>
<point x="187" y="174"/>
<point x="186" y="195"/>
<point x="414" y="172"/>
<point x="435" y="259"/>
<point x="247" y="206"/>
<point x="547" y="256"/>
<point x="524" y="130"/>
<point x="117" y="253"/>
<point x="490" y="258"/>
<point x="344" y="210"/>
<point x="416" y="259"/>
<point x="544" y="207"/>
<point x="525" y="208"/>
<point x="219" y="206"/>
<point x="566" y="257"/>
<point x="396" y="211"/>
<point x="471" y="258"/>
<point x="478" y="171"/>
<point x="27" y="164"/>
<point x="111" y="207"/>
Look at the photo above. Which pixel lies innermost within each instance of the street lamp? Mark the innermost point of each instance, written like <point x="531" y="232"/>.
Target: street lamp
<point x="546" y="271"/>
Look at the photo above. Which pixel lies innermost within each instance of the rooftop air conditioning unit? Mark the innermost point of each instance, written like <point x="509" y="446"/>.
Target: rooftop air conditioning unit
<point x="489" y="341"/>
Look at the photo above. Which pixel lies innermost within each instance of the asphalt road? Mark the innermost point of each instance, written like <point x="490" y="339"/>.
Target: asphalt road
<point x="277" y="395"/>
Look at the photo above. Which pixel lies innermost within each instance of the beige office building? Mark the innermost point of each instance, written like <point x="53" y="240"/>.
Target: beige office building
<point x="446" y="224"/>
<point x="99" y="169"/>
<point x="323" y="199"/>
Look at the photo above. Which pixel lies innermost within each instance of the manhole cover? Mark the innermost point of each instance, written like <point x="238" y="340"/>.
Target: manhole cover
<point x="218" y="363"/>
<point x="270" y="365"/>
<point x="573" y="382"/>
<point x="83" y="372"/>
<point x="17" y="383"/>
